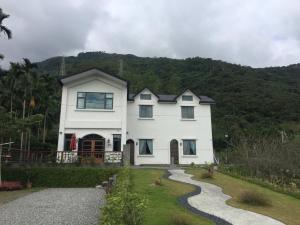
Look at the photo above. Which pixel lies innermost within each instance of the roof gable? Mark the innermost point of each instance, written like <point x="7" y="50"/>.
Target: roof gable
<point x="91" y="72"/>
<point x="139" y="92"/>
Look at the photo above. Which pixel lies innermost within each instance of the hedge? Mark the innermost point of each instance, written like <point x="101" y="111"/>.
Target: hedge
<point x="59" y="176"/>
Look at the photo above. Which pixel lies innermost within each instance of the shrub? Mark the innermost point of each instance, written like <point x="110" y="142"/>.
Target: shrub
<point x="59" y="176"/>
<point x="158" y="182"/>
<point x="179" y="220"/>
<point x="122" y="206"/>
<point x="254" y="198"/>
<point x="207" y="175"/>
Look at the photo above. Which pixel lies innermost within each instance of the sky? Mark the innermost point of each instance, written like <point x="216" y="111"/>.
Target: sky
<point x="250" y="32"/>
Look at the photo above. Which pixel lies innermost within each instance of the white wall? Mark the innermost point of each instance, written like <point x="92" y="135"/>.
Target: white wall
<point x="87" y="121"/>
<point x="123" y="119"/>
<point x="167" y="125"/>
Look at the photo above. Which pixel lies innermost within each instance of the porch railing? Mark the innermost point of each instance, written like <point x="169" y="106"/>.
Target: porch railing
<point x="41" y="156"/>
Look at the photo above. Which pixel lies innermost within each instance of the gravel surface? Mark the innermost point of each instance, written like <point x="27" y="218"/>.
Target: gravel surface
<point x="55" y="206"/>
<point x="211" y="200"/>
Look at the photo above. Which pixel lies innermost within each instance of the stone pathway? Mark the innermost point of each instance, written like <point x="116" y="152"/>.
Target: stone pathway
<point x="212" y="200"/>
<point x="55" y="206"/>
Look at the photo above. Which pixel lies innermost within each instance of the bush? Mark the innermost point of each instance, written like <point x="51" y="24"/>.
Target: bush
<point x="207" y="175"/>
<point x="122" y="206"/>
<point x="254" y="198"/>
<point x="158" y="182"/>
<point x="179" y="220"/>
<point x="59" y="176"/>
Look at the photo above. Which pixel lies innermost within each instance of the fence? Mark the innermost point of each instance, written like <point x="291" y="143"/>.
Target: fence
<point x="10" y="156"/>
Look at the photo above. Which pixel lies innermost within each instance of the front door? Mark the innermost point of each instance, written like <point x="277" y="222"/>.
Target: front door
<point x="174" y="152"/>
<point x="93" y="149"/>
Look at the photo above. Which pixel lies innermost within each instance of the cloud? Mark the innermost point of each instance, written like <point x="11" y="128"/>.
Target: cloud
<point x="255" y="33"/>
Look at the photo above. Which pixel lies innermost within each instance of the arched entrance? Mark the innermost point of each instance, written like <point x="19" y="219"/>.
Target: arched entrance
<point x="92" y="146"/>
<point x="174" y="152"/>
<point x="131" y="147"/>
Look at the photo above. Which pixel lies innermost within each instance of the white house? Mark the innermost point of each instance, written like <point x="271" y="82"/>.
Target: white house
<point x="97" y="108"/>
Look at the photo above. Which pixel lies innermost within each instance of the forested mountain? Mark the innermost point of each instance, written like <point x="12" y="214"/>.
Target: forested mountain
<point x="248" y="100"/>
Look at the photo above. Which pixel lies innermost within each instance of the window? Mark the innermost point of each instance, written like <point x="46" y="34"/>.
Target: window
<point x="146" y="111"/>
<point x="187" y="98"/>
<point x="189" y="147"/>
<point x="145" y="96"/>
<point x="94" y="100"/>
<point x="187" y="112"/>
<point x="145" y="146"/>
<point x="67" y="142"/>
<point x="117" y="142"/>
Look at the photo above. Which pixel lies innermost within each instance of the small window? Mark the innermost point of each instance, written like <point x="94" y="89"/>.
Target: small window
<point x="189" y="147"/>
<point x="146" y="111"/>
<point x="117" y="142"/>
<point x="145" y="146"/>
<point x="187" y="98"/>
<point x="67" y="142"/>
<point x="187" y="112"/>
<point x="94" y="100"/>
<point x="145" y="96"/>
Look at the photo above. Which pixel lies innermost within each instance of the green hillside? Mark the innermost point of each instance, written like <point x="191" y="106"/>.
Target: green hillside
<point x="249" y="100"/>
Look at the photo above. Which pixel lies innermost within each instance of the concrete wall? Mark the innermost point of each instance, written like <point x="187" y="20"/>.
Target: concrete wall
<point x="167" y="125"/>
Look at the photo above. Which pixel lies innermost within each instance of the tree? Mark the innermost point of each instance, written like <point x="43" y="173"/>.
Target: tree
<point x="4" y="29"/>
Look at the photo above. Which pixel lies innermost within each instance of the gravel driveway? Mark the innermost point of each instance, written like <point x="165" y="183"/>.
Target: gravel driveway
<point x="57" y="206"/>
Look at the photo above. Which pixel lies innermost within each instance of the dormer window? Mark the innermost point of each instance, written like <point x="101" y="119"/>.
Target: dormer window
<point x="145" y="96"/>
<point x="187" y="98"/>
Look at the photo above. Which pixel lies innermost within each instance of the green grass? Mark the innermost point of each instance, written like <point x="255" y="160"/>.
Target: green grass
<point x="163" y="205"/>
<point x="7" y="196"/>
<point x="284" y="208"/>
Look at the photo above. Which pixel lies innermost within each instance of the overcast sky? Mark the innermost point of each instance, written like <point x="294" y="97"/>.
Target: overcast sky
<point x="254" y="32"/>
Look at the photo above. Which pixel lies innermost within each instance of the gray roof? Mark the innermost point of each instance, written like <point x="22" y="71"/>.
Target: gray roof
<point x="172" y="98"/>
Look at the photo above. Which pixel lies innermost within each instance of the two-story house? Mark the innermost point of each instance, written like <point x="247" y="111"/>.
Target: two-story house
<point x="98" y="110"/>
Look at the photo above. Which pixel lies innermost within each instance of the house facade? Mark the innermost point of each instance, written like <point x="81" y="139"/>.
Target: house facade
<point x="98" y="110"/>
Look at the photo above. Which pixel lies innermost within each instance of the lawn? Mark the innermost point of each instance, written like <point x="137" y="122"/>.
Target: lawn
<point x="284" y="208"/>
<point x="163" y="205"/>
<point x="7" y="196"/>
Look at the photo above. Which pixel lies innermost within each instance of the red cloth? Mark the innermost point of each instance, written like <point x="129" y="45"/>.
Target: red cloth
<point x="73" y="142"/>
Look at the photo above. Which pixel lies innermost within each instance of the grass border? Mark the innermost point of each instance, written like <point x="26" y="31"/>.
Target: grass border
<point x="260" y="183"/>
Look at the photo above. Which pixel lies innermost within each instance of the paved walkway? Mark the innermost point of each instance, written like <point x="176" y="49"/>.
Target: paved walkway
<point x="54" y="206"/>
<point x="212" y="200"/>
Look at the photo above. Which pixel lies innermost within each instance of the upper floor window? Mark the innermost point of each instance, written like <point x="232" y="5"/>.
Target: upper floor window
<point x="145" y="96"/>
<point x="187" y="98"/>
<point x="189" y="147"/>
<point x="145" y="146"/>
<point x="146" y="111"/>
<point x="94" y="100"/>
<point x="187" y="112"/>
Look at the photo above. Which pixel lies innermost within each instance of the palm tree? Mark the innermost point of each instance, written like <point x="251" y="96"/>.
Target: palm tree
<point x="3" y="28"/>
<point x="27" y="79"/>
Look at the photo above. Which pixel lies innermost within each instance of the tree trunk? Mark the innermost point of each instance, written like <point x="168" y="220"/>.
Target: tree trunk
<point x="44" y="128"/>
<point x="29" y="144"/>
<point x="11" y="116"/>
<point x="22" y="134"/>
<point x="1" y="142"/>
